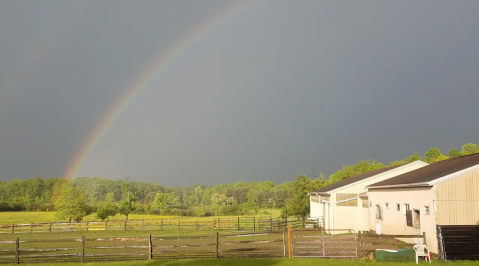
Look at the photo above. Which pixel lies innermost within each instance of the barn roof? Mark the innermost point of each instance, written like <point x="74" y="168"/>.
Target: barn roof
<point x="432" y="174"/>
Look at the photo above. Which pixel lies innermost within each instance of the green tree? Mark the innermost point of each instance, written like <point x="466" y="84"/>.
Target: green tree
<point x="298" y="205"/>
<point x="413" y="158"/>
<point x="71" y="205"/>
<point x="126" y="205"/>
<point x="432" y="155"/>
<point x="469" y="148"/>
<point x="162" y="202"/>
<point x="107" y="208"/>
<point x="454" y="153"/>
<point x="356" y="169"/>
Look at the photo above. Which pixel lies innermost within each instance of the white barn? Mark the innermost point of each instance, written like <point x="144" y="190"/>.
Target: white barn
<point x="344" y="204"/>
<point x="443" y="193"/>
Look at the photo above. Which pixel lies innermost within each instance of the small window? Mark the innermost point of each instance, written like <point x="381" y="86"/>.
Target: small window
<point x="387" y="206"/>
<point x="426" y="210"/>
<point x="379" y="212"/>
<point x="398" y="207"/>
<point x="406" y="208"/>
<point x="370" y="204"/>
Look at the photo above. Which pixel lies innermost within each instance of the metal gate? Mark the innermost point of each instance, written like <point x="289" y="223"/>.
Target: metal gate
<point x="337" y="243"/>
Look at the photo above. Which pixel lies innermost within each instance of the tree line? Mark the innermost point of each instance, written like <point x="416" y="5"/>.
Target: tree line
<point x="74" y="199"/>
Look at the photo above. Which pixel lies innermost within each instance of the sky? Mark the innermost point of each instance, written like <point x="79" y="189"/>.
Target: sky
<point x="273" y="89"/>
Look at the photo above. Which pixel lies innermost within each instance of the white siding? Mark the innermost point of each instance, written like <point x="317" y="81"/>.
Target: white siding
<point x="458" y="200"/>
<point x="394" y="222"/>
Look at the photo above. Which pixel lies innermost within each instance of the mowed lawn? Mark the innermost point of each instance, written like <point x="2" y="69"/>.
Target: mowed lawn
<point x="36" y="217"/>
<point x="260" y="262"/>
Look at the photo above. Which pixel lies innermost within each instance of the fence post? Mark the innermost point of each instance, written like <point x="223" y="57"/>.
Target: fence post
<point x="83" y="249"/>
<point x="150" y="248"/>
<point x="284" y="245"/>
<point x="303" y="222"/>
<point x="322" y="240"/>
<point x="87" y="226"/>
<point x="254" y="223"/>
<point x="106" y="225"/>
<point x="238" y="224"/>
<point x="31" y="227"/>
<point x="13" y="228"/>
<point x="125" y="225"/>
<point x="289" y="241"/>
<point x="17" y="251"/>
<point x="50" y="228"/>
<point x="161" y="225"/>
<point x="271" y="223"/>
<point x="178" y="225"/>
<point x="142" y="222"/>
<point x="360" y="251"/>
<point x="196" y="225"/>
<point x="217" y="244"/>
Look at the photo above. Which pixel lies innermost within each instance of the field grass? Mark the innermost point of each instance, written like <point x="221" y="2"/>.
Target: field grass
<point x="261" y="262"/>
<point x="29" y="217"/>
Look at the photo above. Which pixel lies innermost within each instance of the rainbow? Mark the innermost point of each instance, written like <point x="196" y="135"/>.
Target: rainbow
<point x="163" y="60"/>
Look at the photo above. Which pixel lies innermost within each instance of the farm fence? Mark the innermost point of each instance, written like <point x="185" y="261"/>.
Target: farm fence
<point x="342" y="243"/>
<point x="236" y="223"/>
<point x="82" y="249"/>
<point x="294" y="242"/>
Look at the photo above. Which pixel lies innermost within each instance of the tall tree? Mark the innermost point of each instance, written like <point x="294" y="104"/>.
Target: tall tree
<point x="71" y="205"/>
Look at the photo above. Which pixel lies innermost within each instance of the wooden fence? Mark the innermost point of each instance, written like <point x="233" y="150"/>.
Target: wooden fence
<point x="220" y="244"/>
<point x="342" y="243"/>
<point x="82" y="249"/>
<point x="236" y="223"/>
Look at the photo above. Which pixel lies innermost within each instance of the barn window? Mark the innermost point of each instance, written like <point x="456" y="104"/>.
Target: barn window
<point x="379" y="212"/>
<point x="426" y="210"/>
<point x="409" y="221"/>
<point x="387" y="206"/>
<point x="416" y="219"/>
<point x="398" y="207"/>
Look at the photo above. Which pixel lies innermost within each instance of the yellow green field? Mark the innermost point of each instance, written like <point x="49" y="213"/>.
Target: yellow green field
<point x="29" y="217"/>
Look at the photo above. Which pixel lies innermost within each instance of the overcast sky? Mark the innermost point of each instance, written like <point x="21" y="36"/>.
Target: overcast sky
<point x="277" y="89"/>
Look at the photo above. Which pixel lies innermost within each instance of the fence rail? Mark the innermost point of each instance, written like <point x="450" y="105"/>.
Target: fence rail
<point x="236" y="223"/>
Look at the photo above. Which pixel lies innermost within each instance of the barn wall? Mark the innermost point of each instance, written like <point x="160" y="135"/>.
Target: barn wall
<point x="458" y="200"/>
<point x="394" y="221"/>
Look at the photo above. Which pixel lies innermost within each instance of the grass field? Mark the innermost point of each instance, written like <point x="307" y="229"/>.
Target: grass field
<point x="262" y="262"/>
<point x="28" y="217"/>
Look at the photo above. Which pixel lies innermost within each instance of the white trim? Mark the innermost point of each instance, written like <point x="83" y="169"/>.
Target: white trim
<point x="379" y="175"/>
<point x="345" y="200"/>
<point x="447" y="177"/>
<point x="423" y="184"/>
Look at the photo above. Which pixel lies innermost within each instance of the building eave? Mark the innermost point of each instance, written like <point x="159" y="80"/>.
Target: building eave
<point x="422" y="184"/>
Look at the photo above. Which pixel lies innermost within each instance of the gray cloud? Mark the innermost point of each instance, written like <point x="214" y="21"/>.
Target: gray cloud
<point x="281" y="88"/>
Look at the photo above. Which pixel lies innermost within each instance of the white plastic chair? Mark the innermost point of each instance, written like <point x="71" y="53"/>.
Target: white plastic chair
<point x="422" y="251"/>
